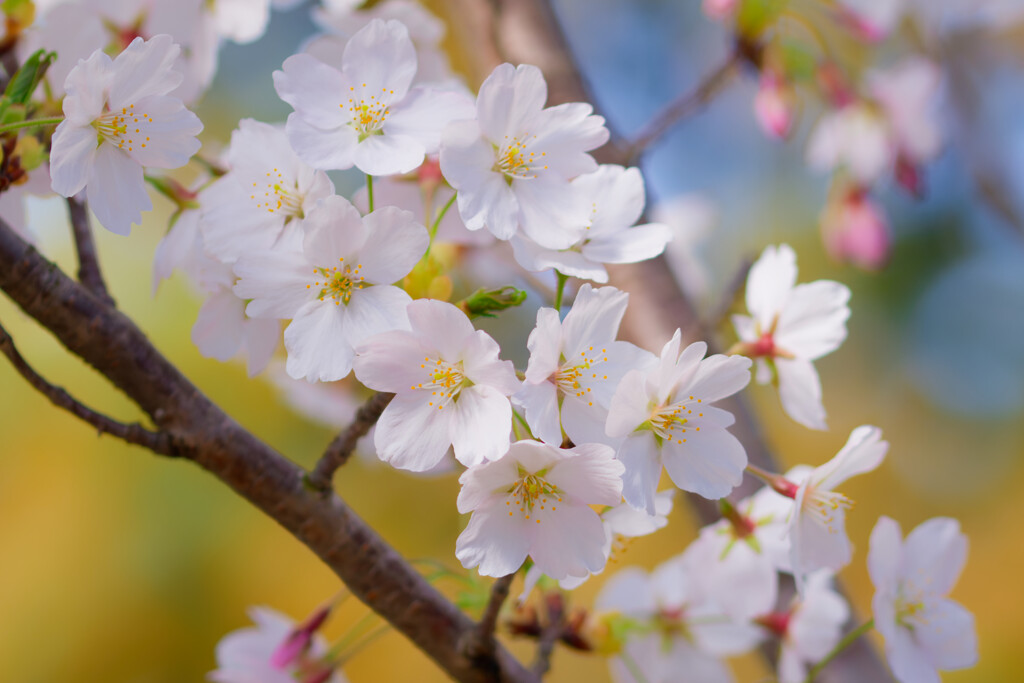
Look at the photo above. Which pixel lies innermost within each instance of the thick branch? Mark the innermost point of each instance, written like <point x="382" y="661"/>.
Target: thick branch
<point x="132" y="433"/>
<point x="554" y="605"/>
<point x="202" y="432"/>
<point x="89" y="273"/>
<point x="344" y="445"/>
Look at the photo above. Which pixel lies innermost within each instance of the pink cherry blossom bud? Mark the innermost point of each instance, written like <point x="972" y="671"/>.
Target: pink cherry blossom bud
<point x="862" y="28"/>
<point x="719" y="9"/>
<point x="298" y="641"/>
<point x="834" y="85"/>
<point x="908" y="175"/>
<point x="429" y="174"/>
<point x="855" y="231"/>
<point x="774" y="105"/>
<point x="776" y="622"/>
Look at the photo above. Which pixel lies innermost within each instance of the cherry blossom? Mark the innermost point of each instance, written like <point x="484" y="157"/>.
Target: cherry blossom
<point x="336" y="288"/>
<point x="810" y="629"/>
<point x="365" y="114"/>
<point x="246" y="655"/>
<point x="119" y="118"/>
<point x="267" y="191"/>
<point x="854" y="230"/>
<point x="512" y="165"/>
<point x="615" y="196"/>
<point x="450" y="387"/>
<point x="666" y="417"/>
<point x="817" y="525"/>
<point x="575" y="366"/>
<point x="924" y="630"/>
<point x="535" y="501"/>
<point x="789" y="327"/>
<point x="854" y="137"/>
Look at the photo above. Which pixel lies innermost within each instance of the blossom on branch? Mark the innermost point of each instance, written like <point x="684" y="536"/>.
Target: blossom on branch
<point x="119" y="118"/>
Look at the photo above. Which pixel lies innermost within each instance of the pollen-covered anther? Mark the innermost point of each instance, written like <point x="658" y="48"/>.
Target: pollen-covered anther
<point x="280" y="197"/>
<point x="533" y="491"/>
<point x="514" y="160"/>
<point x="124" y="128"/>
<point x="825" y="505"/>
<point x="339" y="283"/>
<point x="445" y="380"/>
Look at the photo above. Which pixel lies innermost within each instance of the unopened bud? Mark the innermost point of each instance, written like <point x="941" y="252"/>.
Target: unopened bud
<point x="855" y="231"/>
<point x="775" y="105"/>
<point x="299" y="640"/>
<point x="483" y="303"/>
<point x="719" y="9"/>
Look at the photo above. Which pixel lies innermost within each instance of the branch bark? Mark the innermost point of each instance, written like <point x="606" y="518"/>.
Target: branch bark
<point x="200" y="431"/>
<point x="344" y="445"/>
<point x="89" y="273"/>
<point x="480" y="643"/>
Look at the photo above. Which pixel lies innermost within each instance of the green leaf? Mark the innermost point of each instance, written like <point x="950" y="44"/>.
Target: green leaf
<point x="23" y="85"/>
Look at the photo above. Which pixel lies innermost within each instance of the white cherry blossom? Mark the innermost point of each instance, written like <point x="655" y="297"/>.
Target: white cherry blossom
<point x="810" y="629"/>
<point x="266" y="192"/>
<point x="666" y="417"/>
<point x="789" y="327"/>
<point x="854" y="137"/>
<point x="575" y="366"/>
<point x="451" y="389"/>
<point x="925" y="632"/>
<point x="119" y="118"/>
<point x="244" y="656"/>
<point x="817" y="525"/>
<point x="535" y="501"/>
<point x="512" y="165"/>
<point x="365" y="114"/>
<point x="615" y="198"/>
<point x="336" y="288"/>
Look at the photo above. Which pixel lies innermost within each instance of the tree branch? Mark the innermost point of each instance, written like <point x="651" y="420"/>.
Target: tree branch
<point x="133" y="433"/>
<point x="554" y="605"/>
<point x="480" y="642"/>
<point x="89" y="273"/>
<point x="372" y="570"/>
<point x="344" y="445"/>
<point x="685" y="105"/>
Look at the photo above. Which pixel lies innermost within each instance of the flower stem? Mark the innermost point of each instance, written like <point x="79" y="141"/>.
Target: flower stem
<point x="634" y="669"/>
<point x="49" y="121"/>
<point x="562" y="279"/>
<point x="843" y="644"/>
<point x="369" y="191"/>
<point x="437" y="222"/>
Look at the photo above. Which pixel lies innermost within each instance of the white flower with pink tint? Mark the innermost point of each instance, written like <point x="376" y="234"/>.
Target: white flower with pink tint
<point x="575" y="366"/>
<point x="120" y="118"/>
<point x="810" y="629"/>
<point x="266" y="192"/>
<point x="511" y="166"/>
<point x="925" y="632"/>
<point x="855" y="138"/>
<point x="255" y="654"/>
<point x="451" y="389"/>
<point x="365" y="114"/>
<point x="789" y="327"/>
<point x="336" y="288"/>
<point x="817" y="525"/>
<point x="615" y="197"/>
<point x="536" y="501"/>
<point x="664" y="416"/>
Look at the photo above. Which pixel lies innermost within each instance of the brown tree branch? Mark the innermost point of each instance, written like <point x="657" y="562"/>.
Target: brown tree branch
<point x="344" y="445"/>
<point x="554" y="606"/>
<point x="200" y="431"/>
<point x="133" y="433"/>
<point x="89" y="273"/>
<point x="480" y="643"/>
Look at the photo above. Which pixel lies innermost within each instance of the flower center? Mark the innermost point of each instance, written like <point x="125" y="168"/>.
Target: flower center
<point x="278" y="197"/>
<point x="368" y="112"/>
<point x="568" y="377"/>
<point x="827" y="506"/>
<point x="339" y="282"/>
<point x="444" y="379"/>
<point x="670" y="421"/>
<point x="533" y="494"/>
<point x="126" y="129"/>
<point x="910" y="611"/>
<point x="514" y="160"/>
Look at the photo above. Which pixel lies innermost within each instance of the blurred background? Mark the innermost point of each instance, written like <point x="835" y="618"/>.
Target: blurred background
<point x="121" y="566"/>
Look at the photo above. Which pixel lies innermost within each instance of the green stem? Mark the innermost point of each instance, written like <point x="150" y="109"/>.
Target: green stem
<point x="49" y="121"/>
<point x="437" y="221"/>
<point x="562" y="279"/>
<point x="369" y="191"/>
<point x="634" y="669"/>
<point x="384" y="629"/>
<point x="843" y="644"/>
<point x="353" y="635"/>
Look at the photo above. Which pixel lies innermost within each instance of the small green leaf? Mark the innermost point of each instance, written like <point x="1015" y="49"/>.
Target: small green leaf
<point x="21" y="87"/>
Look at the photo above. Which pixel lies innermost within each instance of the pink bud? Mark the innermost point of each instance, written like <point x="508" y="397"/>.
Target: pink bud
<point x="908" y="175"/>
<point x="834" y="85"/>
<point x="429" y="174"/>
<point x="774" y="105"/>
<point x="719" y="9"/>
<point x="298" y="641"/>
<point x="776" y="622"/>
<point x="861" y="28"/>
<point x="855" y="231"/>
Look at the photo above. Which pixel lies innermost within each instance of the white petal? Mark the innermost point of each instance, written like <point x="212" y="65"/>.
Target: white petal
<point x="425" y="112"/>
<point x="170" y="136"/>
<point x="908" y="660"/>
<point x="274" y="282"/>
<point x="641" y="457"/>
<point x="616" y="195"/>
<point x="719" y="376"/>
<point x="142" y="69"/>
<point x="629" y="405"/>
<point x="71" y="157"/>
<point x="545" y="346"/>
<point x="218" y="328"/>
<point x="411" y="434"/>
<point x="481" y="425"/>
<point x="540" y="403"/>
<point x="813" y="321"/>
<point x="863" y="452"/>
<point x="494" y="541"/>
<point x="388" y="154"/>
<point x="769" y="283"/>
<point x="390" y="361"/>
<point x="591" y="474"/>
<point x="395" y="243"/>
<point x="322" y="148"/>
<point x="116" y="190"/>
<point x="568" y="541"/>
<point x="509" y="98"/>
<point x="381" y="57"/>
<point x="374" y="310"/>
<point x="314" y="90"/>
<point x="594" y="318"/>
<point x="947" y="633"/>
<point x="709" y="462"/>
<point x="549" y="211"/>
<point x="629" y="246"/>
<point x="486" y="484"/>
<point x="934" y="555"/>
<point x="800" y="392"/>
<point x="316" y="343"/>
<point x="885" y="554"/>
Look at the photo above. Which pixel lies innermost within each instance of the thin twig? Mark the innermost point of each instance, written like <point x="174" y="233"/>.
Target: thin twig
<point x="89" y="273"/>
<point x="480" y="644"/>
<point x="133" y="433"/>
<point x="555" y="608"/>
<point x="683" y="106"/>
<point x="344" y="445"/>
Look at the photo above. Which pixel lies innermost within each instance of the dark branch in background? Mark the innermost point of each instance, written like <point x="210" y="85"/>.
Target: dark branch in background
<point x="480" y="642"/>
<point x="132" y="433"/>
<point x="200" y="431"/>
<point x="554" y="606"/>
<point x="683" y="107"/>
<point x="344" y="445"/>
<point x="528" y="33"/>
<point x="89" y="273"/>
